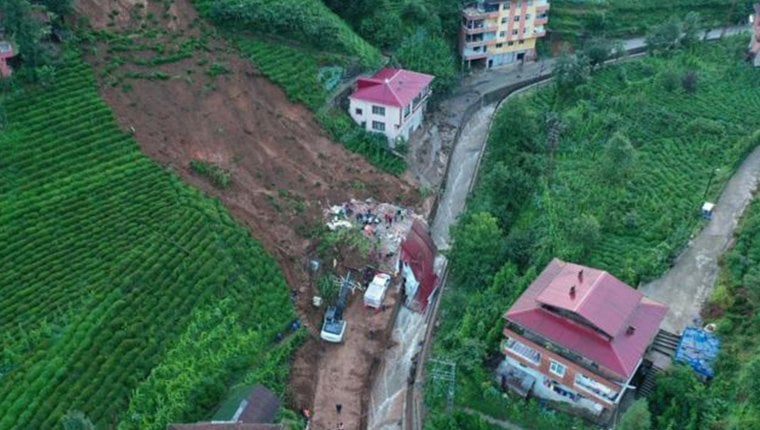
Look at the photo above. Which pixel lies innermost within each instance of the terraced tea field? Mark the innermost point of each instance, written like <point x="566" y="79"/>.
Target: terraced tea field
<point x="620" y="18"/>
<point x="110" y="270"/>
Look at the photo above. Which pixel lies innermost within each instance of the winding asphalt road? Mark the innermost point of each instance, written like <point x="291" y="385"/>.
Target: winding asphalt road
<point x="463" y="169"/>
<point x="687" y="285"/>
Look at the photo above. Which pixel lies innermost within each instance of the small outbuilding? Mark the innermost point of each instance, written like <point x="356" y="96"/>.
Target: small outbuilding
<point x="417" y="267"/>
<point x="256" y="410"/>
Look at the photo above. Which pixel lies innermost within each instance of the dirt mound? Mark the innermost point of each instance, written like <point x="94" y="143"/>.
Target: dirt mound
<point x="186" y="95"/>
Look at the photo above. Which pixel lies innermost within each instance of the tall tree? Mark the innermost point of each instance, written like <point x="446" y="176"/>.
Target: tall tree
<point x="637" y="417"/>
<point x="479" y="250"/>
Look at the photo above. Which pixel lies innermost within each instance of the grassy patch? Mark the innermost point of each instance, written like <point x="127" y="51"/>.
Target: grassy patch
<point x="219" y="177"/>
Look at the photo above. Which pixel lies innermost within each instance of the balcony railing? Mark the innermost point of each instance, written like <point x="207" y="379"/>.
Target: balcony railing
<point x="475" y="13"/>
<point x="481" y="29"/>
<point x="474" y="55"/>
<point x="589" y="385"/>
<point x="522" y="350"/>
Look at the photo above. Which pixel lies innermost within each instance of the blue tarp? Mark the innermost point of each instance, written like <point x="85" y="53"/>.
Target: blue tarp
<point x="699" y="349"/>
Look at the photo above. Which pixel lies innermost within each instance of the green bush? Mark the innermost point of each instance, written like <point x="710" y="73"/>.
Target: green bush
<point x="308" y="21"/>
<point x="430" y="54"/>
<point x="373" y="146"/>
<point x="218" y="176"/>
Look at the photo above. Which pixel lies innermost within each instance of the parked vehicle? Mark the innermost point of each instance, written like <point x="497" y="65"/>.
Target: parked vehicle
<point x="375" y="293"/>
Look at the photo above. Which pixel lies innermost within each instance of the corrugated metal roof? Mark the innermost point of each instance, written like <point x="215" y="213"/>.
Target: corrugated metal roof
<point x="606" y="303"/>
<point x="392" y="87"/>
<point x="418" y="250"/>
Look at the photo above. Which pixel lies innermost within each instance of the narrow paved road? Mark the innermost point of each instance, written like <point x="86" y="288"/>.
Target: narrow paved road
<point x="464" y="165"/>
<point x="688" y="284"/>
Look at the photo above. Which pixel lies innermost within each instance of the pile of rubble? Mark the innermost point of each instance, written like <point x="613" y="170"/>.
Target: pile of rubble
<point x="384" y="224"/>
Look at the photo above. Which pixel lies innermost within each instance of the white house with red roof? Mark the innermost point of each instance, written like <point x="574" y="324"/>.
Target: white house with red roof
<point x="578" y="335"/>
<point x="391" y="102"/>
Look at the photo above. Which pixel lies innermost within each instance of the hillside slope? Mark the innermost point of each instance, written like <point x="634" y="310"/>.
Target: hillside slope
<point x="108" y="260"/>
<point x="283" y="167"/>
<point x="619" y="18"/>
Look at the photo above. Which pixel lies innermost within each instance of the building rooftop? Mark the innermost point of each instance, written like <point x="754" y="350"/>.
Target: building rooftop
<point x="418" y="250"/>
<point x="5" y="47"/>
<point x="392" y="87"/>
<point x="591" y="313"/>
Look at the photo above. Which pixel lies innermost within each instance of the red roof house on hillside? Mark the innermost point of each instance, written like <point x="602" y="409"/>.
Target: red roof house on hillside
<point x="417" y="267"/>
<point x="6" y="52"/>
<point x="391" y="102"/>
<point x="578" y="335"/>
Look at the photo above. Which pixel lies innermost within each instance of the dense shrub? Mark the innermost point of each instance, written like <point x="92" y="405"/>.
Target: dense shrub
<point x="427" y="53"/>
<point x="309" y="21"/>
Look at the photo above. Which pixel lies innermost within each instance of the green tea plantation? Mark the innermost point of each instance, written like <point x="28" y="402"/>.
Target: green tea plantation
<point x="124" y="293"/>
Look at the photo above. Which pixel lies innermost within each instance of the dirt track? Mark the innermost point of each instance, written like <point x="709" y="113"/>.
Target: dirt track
<point x="285" y="169"/>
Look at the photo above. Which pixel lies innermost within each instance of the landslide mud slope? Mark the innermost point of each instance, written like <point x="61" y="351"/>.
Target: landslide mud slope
<point x="284" y="167"/>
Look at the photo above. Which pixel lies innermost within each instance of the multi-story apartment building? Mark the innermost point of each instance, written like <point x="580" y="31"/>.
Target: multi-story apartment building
<point x="391" y="102"/>
<point x="577" y="335"/>
<point x="499" y="32"/>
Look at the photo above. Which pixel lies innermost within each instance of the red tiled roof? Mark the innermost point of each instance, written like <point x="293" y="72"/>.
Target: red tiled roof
<point x="418" y="250"/>
<point x="599" y="297"/>
<point x="605" y="302"/>
<point x="392" y="87"/>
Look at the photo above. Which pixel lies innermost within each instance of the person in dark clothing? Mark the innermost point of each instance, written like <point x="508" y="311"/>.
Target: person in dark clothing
<point x="338" y="408"/>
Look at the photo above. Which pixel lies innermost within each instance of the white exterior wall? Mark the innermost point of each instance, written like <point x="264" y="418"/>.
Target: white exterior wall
<point x="395" y="125"/>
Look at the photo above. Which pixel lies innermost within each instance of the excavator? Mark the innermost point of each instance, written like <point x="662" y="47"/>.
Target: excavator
<point x="334" y="326"/>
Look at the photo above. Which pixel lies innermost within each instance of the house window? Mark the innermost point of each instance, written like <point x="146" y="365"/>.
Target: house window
<point x="527" y="16"/>
<point x="514" y="32"/>
<point x="504" y="20"/>
<point x="358" y="111"/>
<point x="377" y="125"/>
<point x="517" y="18"/>
<point x="510" y="43"/>
<point x="499" y="45"/>
<point x="378" y="110"/>
<point x="557" y="368"/>
<point x="502" y="33"/>
<point x="522" y="42"/>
